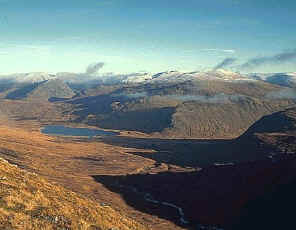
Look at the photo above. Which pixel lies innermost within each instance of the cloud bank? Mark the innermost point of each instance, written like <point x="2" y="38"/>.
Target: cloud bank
<point x="280" y="58"/>
<point x="219" y="50"/>
<point x="225" y="63"/>
<point x="94" y="67"/>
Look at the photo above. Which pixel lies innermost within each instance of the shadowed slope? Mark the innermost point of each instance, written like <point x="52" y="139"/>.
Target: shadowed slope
<point x="216" y="195"/>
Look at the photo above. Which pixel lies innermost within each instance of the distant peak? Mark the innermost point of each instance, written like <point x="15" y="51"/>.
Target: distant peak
<point x="224" y="71"/>
<point x="35" y="77"/>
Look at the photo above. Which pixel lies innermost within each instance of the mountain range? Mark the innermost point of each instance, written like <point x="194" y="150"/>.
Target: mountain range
<point x="168" y="76"/>
<point x="201" y="150"/>
<point x="213" y="104"/>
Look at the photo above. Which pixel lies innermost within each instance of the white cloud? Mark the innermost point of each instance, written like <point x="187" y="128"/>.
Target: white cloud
<point x="219" y="50"/>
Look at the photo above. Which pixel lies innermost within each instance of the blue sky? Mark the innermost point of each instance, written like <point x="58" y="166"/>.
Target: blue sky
<point x="138" y="35"/>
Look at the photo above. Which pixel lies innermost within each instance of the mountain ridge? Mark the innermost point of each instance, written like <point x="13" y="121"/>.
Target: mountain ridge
<point x="141" y="77"/>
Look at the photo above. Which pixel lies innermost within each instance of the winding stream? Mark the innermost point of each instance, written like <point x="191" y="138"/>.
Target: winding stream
<point x="148" y="197"/>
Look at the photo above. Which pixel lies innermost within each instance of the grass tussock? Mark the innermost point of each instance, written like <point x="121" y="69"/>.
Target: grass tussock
<point x="28" y="201"/>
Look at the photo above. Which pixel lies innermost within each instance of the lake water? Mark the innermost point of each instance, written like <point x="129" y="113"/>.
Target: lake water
<point x="60" y="130"/>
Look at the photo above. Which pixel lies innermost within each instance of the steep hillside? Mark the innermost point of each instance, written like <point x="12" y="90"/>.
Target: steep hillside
<point x="275" y="132"/>
<point x="280" y="122"/>
<point x="193" y="108"/>
<point x="34" y="110"/>
<point x="21" y="91"/>
<point x="43" y="90"/>
<point x="215" y="120"/>
<point x="52" y="89"/>
<point x="29" y="202"/>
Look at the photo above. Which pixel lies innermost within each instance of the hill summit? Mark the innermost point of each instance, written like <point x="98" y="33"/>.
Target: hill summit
<point x="44" y="90"/>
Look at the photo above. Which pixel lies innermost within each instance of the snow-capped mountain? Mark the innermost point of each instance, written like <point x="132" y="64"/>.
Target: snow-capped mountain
<point x="220" y="75"/>
<point x="38" y="77"/>
<point x="34" y="77"/>
<point x="173" y="76"/>
<point x="137" y="78"/>
<point x="224" y="75"/>
<point x="259" y="76"/>
<point x="283" y="79"/>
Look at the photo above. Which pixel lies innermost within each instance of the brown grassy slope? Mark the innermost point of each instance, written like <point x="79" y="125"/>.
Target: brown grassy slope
<point x="53" y="88"/>
<point x="71" y="163"/>
<point x="30" y="202"/>
<point x="24" y="110"/>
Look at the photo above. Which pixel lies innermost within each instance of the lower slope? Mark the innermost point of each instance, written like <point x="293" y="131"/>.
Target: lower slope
<point x="28" y="201"/>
